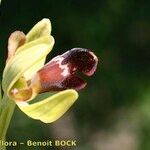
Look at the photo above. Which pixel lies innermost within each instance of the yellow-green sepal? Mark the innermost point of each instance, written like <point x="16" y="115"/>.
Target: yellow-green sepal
<point x="51" y="108"/>
<point x="41" y="29"/>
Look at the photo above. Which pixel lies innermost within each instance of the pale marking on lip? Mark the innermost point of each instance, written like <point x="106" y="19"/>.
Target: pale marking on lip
<point x="65" y="68"/>
<point x="14" y="91"/>
<point x="94" y="56"/>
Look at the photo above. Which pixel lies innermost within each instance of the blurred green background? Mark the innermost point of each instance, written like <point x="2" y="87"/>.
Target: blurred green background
<point x="113" y="111"/>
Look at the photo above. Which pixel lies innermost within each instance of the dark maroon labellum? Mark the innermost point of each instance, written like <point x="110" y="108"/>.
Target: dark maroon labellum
<point x="82" y="59"/>
<point x="60" y="73"/>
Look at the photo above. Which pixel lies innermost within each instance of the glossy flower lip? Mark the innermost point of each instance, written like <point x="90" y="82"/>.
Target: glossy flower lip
<point x="60" y="73"/>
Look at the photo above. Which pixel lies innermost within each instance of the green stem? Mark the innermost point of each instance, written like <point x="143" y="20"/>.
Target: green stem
<point x="6" y="111"/>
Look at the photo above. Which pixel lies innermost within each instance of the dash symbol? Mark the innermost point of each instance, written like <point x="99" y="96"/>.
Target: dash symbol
<point x="21" y="143"/>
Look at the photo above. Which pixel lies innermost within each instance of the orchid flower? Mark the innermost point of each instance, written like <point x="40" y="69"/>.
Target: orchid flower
<point x="43" y="92"/>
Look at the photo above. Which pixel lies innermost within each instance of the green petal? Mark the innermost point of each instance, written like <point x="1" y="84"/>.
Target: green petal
<point x="52" y="108"/>
<point x="42" y="28"/>
<point x="33" y="69"/>
<point x="30" y="58"/>
<point x="28" y="74"/>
